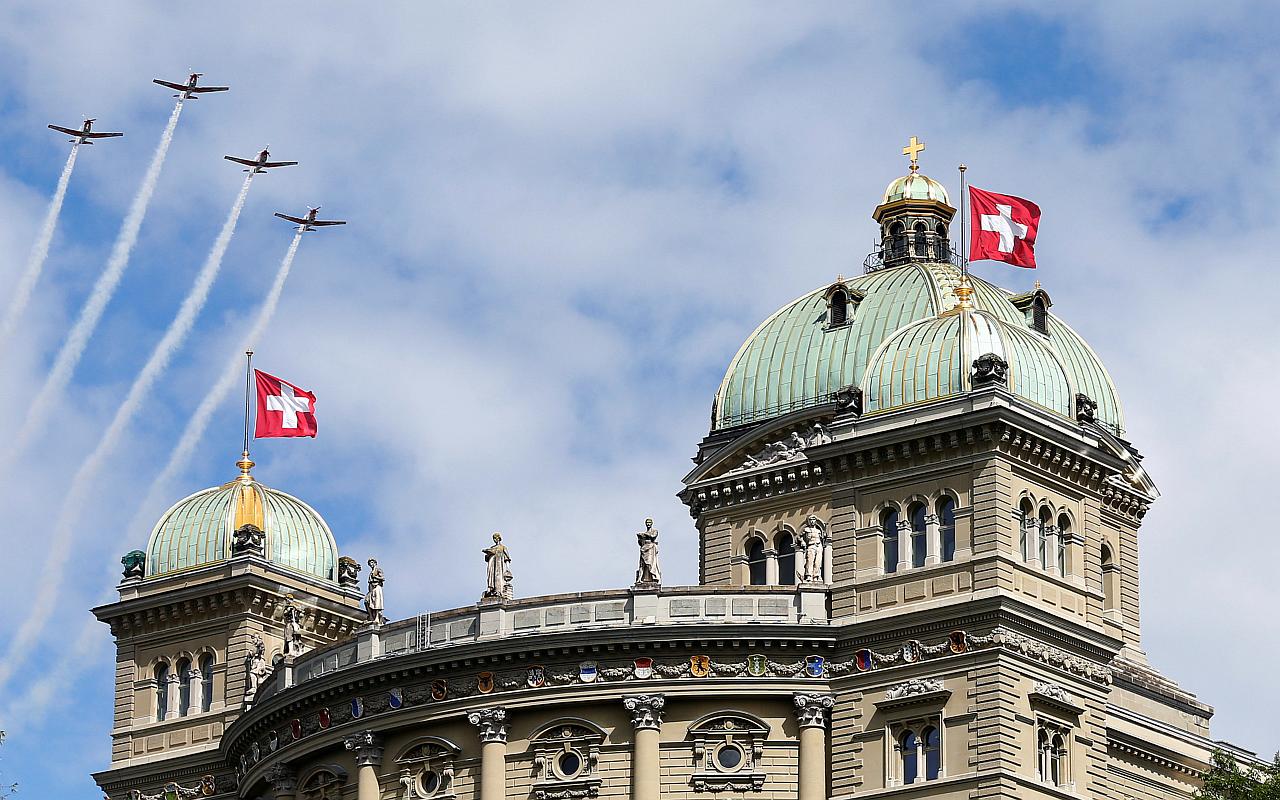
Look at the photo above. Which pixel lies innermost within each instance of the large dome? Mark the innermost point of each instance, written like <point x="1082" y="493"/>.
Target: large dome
<point x="902" y="345"/>
<point x="197" y="530"/>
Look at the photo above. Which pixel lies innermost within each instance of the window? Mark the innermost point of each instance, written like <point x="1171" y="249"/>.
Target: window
<point x="429" y="763"/>
<point x="921" y="241"/>
<point x="1039" y="315"/>
<point x="909" y="745"/>
<point x="323" y="784"/>
<point x="757" y="563"/>
<point x="944" y="246"/>
<point x="919" y="748"/>
<point x="162" y="690"/>
<point x="184" y="687"/>
<point x="839" y="308"/>
<point x="1064" y="538"/>
<point x="932" y="754"/>
<point x="1051" y="754"/>
<point x="786" y="559"/>
<point x="1110" y="578"/>
<point x="919" y="535"/>
<point x="206" y="682"/>
<point x="566" y="757"/>
<point x="897" y="240"/>
<point x="729" y="757"/>
<point x="728" y="749"/>
<point x="889" y="533"/>
<point x="1025" y="525"/>
<point x="947" y="527"/>
<point x="1042" y="537"/>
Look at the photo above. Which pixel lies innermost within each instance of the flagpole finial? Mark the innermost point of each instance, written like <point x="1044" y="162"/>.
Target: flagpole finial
<point x="246" y="466"/>
<point x="964" y="292"/>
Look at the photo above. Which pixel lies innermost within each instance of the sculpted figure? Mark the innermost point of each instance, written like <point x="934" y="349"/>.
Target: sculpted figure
<point x="774" y="452"/>
<point x="256" y="667"/>
<point x="812" y="536"/>
<point x="348" y="572"/>
<point x="649" y="572"/>
<point x="248" y="539"/>
<point x="373" y="604"/>
<point x="292" y="628"/>
<point x="497" y="561"/>
<point x="819" y="434"/>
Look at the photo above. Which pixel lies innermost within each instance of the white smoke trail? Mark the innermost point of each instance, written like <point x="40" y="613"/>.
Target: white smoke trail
<point x="199" y="421"/>
<point x="78" y="339"/>
<point x="39" y="254"/>
<point x="59" y="547"/>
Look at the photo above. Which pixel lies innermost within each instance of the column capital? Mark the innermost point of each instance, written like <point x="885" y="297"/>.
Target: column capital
<point x="283" y="780"/>
<point x="812" y="708"/>
<point x="367" y="746"/>
<point x="492" y="723"/>
<point x="646" y="710"/>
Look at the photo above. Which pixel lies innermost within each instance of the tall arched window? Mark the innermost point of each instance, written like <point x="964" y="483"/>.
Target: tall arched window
<point x="1051" y="752"/>
<point x="897" y="240"/>
<point x="786" y="548"/>
<point x="206" y="681"/>
<point x="1025" y="521"/>
<point x="184" y="687"/>
<point x="889" y="534"/>
<point x="1039" y="315"/>
<point x="944" y="246"/>
<point x="910" y="759"/>
<point x="757" y="563"/>
<point x="1110" y="584"/>
<point x="1042" y="536"/>
<point x="919" y="535"/>
<point x="839" y="314"/>
<point x="162" y="689"/>
<point x="947" y="528"/>
<point x="921" y="241"/>
<point x="932" y="753"/>
<point x="1064" y="536"/>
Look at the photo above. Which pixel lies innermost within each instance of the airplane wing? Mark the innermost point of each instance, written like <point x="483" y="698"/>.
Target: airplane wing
<point x="68" y="131"/>
<point x="329" y="222"/>
<point x="100" y="135"/>
<point x="247" y="161"/>
<point x="269" y="164"/>
<point x="175" y="86"/>
<point x="294" y="220"/>
<point x="203" y="89"/>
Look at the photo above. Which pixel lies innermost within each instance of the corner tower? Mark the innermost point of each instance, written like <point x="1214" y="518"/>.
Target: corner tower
<point x="229" y="573"/>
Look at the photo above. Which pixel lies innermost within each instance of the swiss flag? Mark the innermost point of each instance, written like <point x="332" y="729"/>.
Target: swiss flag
<point x="283" y="408"/>
<point x="1003" y="228"/>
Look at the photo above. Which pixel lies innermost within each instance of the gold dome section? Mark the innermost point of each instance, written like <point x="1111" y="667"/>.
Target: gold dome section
<point x="915" y="186"/>
<point x="247" y="501"/>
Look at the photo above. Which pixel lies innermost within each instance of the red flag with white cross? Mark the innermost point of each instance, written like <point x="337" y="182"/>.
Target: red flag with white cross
<point x="284" y="409"/>
<point x="1003" y="228"/>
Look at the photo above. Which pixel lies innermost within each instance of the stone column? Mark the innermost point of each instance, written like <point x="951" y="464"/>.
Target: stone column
<point x="904" y="545"/>
<point x="811" y="712"/>
<point x="368" y="749"/>
<point x="770" y="567"/>
<point x="173" y="690"/>
<point x="1031" y="526"/>
<point x="283" y="781"/>
<point x="933" y="540"/>
<point x="492" y="723"/>
<point x="828" y="561"/>
<point x="1051" y="548"/>
<point x="646" y="718"/>
<point x="195" y="685"/>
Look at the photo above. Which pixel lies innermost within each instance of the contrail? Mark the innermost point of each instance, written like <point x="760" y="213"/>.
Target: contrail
<point x="39" y="253"/>
<point x="59" y="546"/>
<point x="199" y="421"/>
<point x="73" y="347"/>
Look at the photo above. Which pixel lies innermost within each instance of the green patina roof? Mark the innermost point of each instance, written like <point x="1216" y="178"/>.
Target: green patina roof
<point x="900" y="351"/>
<point x="197" y="531"/>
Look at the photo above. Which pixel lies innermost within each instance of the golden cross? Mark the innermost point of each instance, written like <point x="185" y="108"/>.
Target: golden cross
<point x="912" y="151"/>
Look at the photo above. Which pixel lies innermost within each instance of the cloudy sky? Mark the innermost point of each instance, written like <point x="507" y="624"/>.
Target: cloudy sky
<point x="564" y="219"/>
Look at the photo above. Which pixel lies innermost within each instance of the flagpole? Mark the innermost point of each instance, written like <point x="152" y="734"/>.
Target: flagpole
<point x="964" y="224"/>
<point x="248" y="380"/>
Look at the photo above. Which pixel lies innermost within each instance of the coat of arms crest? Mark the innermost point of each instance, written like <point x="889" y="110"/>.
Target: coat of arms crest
<point x="814" y="666"/>
<point x="357" y="707"/>
<point x="439" y="689"/>
<point x="325" y="719"/>
<point x="535" y="677"/>
<point x="958" y="641"/>
<point x="588" y="672"/>
<point x="757" y="666"/>
<point x="395" y="698"/>
<point x="295" y="727"/>
<point x="911" y="651"/>
<point x="643" y="667"/>
<point x="484" y="682"/>
<point x="862" y="659"/>
<point x="700" y="666"/>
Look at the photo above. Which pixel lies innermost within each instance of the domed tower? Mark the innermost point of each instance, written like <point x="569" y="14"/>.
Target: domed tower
<point x="914" y="216"/>
<point x="232" y="576"/>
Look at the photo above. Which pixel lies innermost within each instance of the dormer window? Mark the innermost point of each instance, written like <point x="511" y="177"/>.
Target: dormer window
<point x="841" y="300"/>
<point x="1039" y="316"/>
<point x="839" y="308"/>
<point x="1035" y="305"/>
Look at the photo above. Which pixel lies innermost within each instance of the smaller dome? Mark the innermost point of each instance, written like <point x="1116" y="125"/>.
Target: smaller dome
<point x="198" y="530"/>
<point x="915" y="186"/>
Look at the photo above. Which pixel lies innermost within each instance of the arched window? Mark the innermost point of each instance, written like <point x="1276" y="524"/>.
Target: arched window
<point x="1046" y="521"/>
<point x="786" y="548"/>
<point x="944" y="246"/>
<point x="1057" y="759"/>
<point x="947" y="527"/>
<point x="910" y="759"/>
<point x="162" y="689"/>
<point x="184" y="687"/>
<point x="919" y="535"/>
<point x="757" y="563"/>
<point x="932" y="753"/>
<point x="206" y="681"/>
<point x="921" y="241"/>
<point x="897" y="240"/>
<point x="839" y="314"/>
<point x="1025" y="521"/>
<point x="889" y="533"/>
<point x="1051" y="755"/>
<point x="1064" y="536"/>
<point x="1110" y="583"/>
<point x="1039" y="315"/>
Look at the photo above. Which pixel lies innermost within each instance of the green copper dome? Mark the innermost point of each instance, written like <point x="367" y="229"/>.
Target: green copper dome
<point x="198" y="530"/>
<point x="902" y="345"/>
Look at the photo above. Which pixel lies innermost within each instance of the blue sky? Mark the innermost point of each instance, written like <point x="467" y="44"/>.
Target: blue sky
<point x="564" y="219"/>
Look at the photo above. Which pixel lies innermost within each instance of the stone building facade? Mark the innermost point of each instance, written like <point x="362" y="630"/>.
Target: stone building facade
<point x="919" y="523"/>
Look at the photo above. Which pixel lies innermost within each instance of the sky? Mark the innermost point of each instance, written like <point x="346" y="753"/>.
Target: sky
<point x="564" y="218"/>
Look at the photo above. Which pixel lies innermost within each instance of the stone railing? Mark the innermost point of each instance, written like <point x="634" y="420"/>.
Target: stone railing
<point x="612" y="609"/>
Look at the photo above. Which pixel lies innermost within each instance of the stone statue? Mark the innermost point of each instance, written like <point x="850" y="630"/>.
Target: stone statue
<point x="257" y="668"/>
<point x="818" y="435"/>
<point x="293" y="645"/>
<point x="497" y="560"/>
<point x="990" y="368"/>
<point x="649" y="573"/>
<point x="135" y="564"/>
<point x="850" y="399"/>
<point x="1086" y="409"/>
<point x="775" y="452"/>
<point x="373" y="604"/>
<point x="813" y="536"/>
<point x="348" y="572"/>
<point x="248" y="540"/>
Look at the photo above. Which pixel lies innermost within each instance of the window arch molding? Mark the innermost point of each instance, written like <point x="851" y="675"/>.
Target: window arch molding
<point x="728" y="748"/>
<point x="426" y="767"/>
<point x="550" y="727"/>
<point x="785" y="545"/>
<point x="566" y="757"/>
<point x="322" y="782"/>
<point x="944" y="510"/>
<point x="756" y="553"/>
<point x="888" y="515"/>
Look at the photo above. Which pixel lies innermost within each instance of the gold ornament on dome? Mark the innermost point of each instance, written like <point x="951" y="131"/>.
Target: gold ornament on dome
<point x="912" y="151"/>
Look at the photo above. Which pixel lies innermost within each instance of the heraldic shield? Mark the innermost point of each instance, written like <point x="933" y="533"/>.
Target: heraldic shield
<point x="700" y="666"/>
<point x="396" y="698"/>
<point x="814" y="666"/>
<point x="643" y="668"/>
<point x="757" y="666"/>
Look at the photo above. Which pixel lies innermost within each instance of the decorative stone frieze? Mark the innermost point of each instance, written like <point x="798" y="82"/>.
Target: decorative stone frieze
<point x="812" y="708"/>
<point x="492" y="722"/>
<point x="913" y="687"/>
<point x="282" y="778"/>
<point x="367" y="746"/>
<point x="646" y="710"/>
<point x="1052" y="694"/>
<point x="174" y="791"/>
